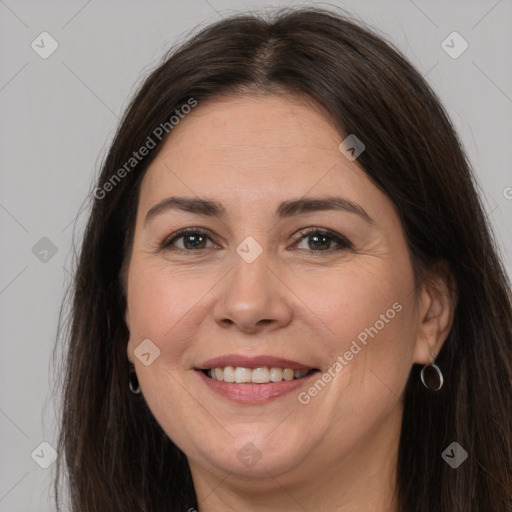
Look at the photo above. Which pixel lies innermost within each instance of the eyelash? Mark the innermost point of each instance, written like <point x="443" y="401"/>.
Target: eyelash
<point x="343" y="243"/>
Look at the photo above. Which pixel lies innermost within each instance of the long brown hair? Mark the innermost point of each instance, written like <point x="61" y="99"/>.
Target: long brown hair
<point x="113" y="452"/>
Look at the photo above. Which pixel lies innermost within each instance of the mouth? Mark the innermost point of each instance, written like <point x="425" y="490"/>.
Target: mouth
<point x="257" y="385"/>
<point x="258" y="375"/>
<point x="262" y="369"/>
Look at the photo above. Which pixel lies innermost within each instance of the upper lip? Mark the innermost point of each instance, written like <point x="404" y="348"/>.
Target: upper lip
<point x="252" y="362"/>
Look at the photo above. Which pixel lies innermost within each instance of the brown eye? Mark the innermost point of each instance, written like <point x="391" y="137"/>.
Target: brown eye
<point x="320" y="240"/>
<point x="191" y="239"/>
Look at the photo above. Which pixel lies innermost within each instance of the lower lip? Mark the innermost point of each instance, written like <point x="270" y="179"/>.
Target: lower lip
<point x="253" y="393"/>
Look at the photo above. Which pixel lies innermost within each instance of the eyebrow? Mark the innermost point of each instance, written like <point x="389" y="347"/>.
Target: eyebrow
<point x="211" y="208"/>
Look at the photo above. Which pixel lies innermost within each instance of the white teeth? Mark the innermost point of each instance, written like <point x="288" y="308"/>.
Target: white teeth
<point x="288" y="374"/>
<point x="261" y="375"/>
<point x="241" y="374"/>
<point x="276" y="374"/>
<point x="229" y="374"/>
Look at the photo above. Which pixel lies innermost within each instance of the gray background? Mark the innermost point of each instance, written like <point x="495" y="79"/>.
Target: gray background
<point x="58" y="116"/>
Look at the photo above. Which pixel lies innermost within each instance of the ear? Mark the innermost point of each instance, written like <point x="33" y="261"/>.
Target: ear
<point x="438" y="298"/>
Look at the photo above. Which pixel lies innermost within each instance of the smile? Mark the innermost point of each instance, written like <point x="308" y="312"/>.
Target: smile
<point x="261" y="375"/>
<point x="252" y="393"/>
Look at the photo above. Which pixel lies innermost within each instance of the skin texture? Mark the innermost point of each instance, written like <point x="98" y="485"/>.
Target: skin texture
<point x="297" y="301"/>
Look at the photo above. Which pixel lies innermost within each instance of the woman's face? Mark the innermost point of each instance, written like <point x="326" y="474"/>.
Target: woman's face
<point x="299" y="257"/>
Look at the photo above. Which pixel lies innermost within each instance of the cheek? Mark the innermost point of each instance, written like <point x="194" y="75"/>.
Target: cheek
<point x="370" y="315"/>
<point x="164" y="304"/>
<point x="357" y="305"/>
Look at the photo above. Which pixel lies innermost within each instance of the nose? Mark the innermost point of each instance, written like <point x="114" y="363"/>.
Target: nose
<point x="254" y="298"/>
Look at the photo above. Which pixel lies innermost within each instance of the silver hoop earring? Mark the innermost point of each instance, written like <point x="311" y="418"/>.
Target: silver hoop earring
<point x="438" y="374"/>
<point x="133" y="382"/>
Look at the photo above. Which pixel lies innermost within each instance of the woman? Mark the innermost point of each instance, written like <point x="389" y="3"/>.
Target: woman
<point x="288" y="296"/>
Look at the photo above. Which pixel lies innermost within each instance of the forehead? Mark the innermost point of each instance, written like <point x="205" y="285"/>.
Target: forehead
<point x="257" y="112"/>
<point x="253" y="149"/>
